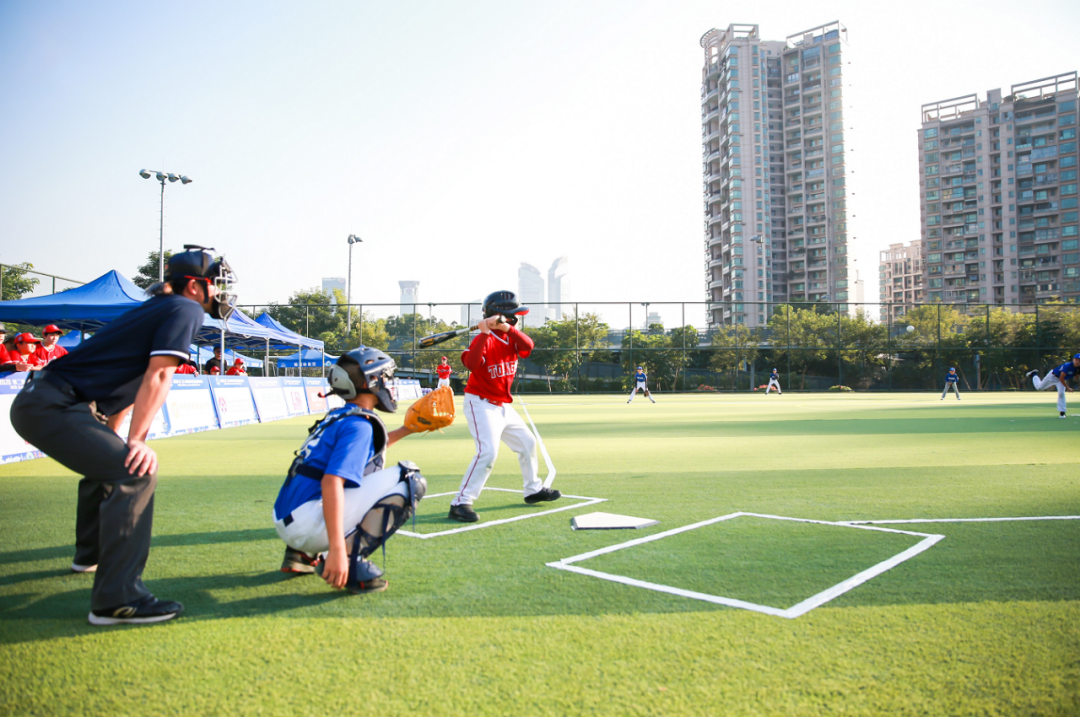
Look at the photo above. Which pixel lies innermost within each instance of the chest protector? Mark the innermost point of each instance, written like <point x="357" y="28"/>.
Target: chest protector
<point x="379" y="441"/>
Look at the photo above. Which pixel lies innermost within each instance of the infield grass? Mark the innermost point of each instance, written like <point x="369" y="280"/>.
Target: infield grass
<point x="985" y="622"/>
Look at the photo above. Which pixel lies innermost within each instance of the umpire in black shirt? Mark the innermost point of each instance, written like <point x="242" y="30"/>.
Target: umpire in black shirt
<point x="128" y="364"/>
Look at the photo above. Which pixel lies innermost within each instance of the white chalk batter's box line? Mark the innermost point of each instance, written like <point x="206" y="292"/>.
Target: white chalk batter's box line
<point x="586" y="501"/>
<point x="806" y="605"/>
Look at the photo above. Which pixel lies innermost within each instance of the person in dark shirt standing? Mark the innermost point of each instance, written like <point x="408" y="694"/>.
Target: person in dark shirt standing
<point x="126" y="366"/>
<point x="214" y="363"/>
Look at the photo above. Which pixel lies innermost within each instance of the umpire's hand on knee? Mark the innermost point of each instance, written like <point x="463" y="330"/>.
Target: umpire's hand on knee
<point x="141" y="458"/>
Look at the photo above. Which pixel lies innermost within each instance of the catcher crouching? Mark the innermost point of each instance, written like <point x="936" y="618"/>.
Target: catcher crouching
<point x="340" y="503"/>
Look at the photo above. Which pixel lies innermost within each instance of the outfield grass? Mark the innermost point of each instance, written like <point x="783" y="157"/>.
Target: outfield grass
<point x="985" y="622"/>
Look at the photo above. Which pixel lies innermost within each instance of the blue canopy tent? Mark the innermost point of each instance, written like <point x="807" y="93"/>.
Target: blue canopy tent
<point x="293" y="339"/>
<point x="308" y="358"/>
<point x="207" y="353"/>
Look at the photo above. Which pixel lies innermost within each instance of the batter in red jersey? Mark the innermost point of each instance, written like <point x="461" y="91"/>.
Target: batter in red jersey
<point x="492" y="359"/>
<point x="444" y="371"/>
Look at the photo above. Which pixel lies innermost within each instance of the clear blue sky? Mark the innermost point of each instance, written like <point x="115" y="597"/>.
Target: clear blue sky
<point x="457" y="138"/>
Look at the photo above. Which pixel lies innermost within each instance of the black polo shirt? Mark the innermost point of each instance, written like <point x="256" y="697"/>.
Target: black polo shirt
<point x="213" y="363"/>
<point x="109" y="366"/>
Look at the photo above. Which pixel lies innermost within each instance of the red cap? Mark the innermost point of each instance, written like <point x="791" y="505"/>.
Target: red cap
<point x="443" y="358"/>
<point x="51" y="329"/>
<point x="238" y="362"/>
<point x="27" y="338"/>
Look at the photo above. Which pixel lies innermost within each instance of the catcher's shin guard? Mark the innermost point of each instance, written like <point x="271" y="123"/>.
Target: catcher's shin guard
<point x="390" y="512"/>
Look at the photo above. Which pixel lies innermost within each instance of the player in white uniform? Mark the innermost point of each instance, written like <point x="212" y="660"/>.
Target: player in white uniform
<point x="951" y="381"/>
<point x="640" y="384"/>
<point x="774" y="382"/>
<point x="1057" y="378"/>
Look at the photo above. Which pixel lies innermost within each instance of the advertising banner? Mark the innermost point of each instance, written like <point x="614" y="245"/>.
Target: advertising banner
<point x="405" y="389"/>
<point x="159" y="428"/>
<point x="232" y="398"/>
<point x="269" y="399"/>
<point x="314" y="388"/>
<point x="189" y="406"/>
<point x="295" y="396"/>
<point x="12" y="447"/>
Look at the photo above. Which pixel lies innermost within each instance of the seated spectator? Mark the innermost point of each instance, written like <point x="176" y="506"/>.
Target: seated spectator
<point x="10" y="360"/>
<point x="188" y="367"/>
<point x="26" y="345"/>
<point x="50" y="350"/>
<point x="237" y="369"/>
<point x="213" y="363"/>
<point x="215" y="371"/>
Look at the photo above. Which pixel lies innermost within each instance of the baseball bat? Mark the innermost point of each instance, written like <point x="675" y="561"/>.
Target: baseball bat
<point x="429" y="341"/>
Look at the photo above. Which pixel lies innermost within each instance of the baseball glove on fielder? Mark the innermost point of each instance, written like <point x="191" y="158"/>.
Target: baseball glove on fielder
<point x="432" y="412"/>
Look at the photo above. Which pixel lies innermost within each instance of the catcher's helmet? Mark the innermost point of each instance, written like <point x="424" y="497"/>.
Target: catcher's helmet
<point x="506" y="304"/>
<point x="195" y="262"/>
<point x="364" y="370"/>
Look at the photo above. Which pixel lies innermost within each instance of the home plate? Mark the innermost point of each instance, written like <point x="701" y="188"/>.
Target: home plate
<point x="609" y="521"/>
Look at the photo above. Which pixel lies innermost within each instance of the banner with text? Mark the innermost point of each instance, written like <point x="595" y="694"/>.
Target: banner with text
<point x="12" y="447"/>
<point x="295" y="396"/>
<point x="232" y="398"/>
<point x="189" y="406"/>
<point x="269" y="399"/>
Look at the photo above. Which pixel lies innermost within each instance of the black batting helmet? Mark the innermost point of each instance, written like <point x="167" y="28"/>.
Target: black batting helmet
<point x="364" y="370"/>
<point x="504" y="303"/>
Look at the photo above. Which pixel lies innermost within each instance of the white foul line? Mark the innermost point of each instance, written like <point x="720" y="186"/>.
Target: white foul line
<point x="793" y="612"/>
<point x="959" y="520"/>
<point x="487" y="524"/>
<point x="543" y="449"/>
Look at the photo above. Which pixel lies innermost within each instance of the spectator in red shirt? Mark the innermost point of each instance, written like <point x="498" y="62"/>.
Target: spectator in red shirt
<point x="26" y="345"/>
<point x="10" y="360"/>
<point x="237" y="369"/>
<point x="188" y="367"/>
<point x="50" y="350"/>
<point x="492" y="359"/>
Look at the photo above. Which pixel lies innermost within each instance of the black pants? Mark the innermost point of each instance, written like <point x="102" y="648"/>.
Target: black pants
<point x="116" y="509"/>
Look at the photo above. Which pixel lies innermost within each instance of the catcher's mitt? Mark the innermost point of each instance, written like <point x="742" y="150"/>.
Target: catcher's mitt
<point x="432" y="412"/>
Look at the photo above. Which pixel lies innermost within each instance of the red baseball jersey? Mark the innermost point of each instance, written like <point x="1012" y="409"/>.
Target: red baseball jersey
<point x="47" y="356"/>
<point x="34" y="359"/>
<point x="493" y="359"/>
<point x="236" y="371"/>
<point x="444" y="371"/>
<point x="186" y="368"/>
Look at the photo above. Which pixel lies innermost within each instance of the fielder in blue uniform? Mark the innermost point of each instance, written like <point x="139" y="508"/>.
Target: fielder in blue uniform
<point x="1057" y="378"/>
<point x="640" y="384"/>
<point x="774" y="382"/>
<point x="951" y="381"/>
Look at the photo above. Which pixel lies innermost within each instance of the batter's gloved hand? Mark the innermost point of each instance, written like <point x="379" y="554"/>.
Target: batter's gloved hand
<point x="432" y="412"/>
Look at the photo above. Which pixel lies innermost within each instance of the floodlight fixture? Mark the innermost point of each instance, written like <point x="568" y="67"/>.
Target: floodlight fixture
<point x="161" y="177"/>
<point x="144" y="174"/>
<point x="172" y="177"/>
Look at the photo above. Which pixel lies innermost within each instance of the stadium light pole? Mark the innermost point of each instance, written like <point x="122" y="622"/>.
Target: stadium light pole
<point x="353" y="239"/>
<point x="161" y="177"/>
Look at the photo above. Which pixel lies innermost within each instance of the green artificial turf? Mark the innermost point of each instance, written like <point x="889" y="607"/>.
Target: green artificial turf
<point x="985" y="622"/>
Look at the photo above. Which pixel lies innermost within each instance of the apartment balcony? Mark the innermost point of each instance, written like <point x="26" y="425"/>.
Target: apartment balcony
<point x="713" y="136"/>
<point x="714" y="220"/>
<point x="712" y="114"/>
<point x="818" y="263"/>
<point x="712" y="95"/>
<point x="811" y="173"/>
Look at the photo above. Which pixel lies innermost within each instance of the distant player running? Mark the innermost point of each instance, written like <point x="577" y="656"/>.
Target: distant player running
<point x="444" y="371"/>
<point x="1057" y="378"/>
<point x="641" y="384"/>
<point x="951" y="381"/>
<point x="774" y="382"/>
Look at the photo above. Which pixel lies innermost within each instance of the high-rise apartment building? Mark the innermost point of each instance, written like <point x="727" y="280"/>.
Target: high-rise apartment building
<point x="776" y="163"/>
<point x="530" y="286"/>
<point x="998" y="188"/>
<point x="900" y="276"/>
<point x="558" y="288"/>
<point x="329" y="284"/>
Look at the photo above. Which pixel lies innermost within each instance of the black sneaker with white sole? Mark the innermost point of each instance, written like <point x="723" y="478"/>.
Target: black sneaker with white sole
<point x="297" y="562"/>
<point x="544" y="495"/>
<point x="141" y="612"/>
<point x="1029" y="374"/>
<point x="463" y="514"/>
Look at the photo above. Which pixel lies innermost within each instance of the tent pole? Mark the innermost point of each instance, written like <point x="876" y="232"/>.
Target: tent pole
<point x="266" y="364"/>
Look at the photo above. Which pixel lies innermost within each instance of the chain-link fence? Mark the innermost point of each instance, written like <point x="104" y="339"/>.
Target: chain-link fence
<point x="595" y="347"/>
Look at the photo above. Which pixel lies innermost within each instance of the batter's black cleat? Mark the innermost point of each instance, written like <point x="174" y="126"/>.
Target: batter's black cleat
<point x="544" y="495"/>
<point x="141" y="612"/>
<point x="297" y="562"/>
<point x="463" y="514"/>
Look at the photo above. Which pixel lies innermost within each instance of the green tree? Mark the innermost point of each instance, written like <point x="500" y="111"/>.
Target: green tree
<point x="733" y="346"/>
<point x="16" y="281"/>
<point x="562" y="346"/>
<point x="147" y="274"/>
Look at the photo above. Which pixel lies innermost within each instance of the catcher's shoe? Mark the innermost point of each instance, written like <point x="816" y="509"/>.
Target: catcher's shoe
<point x="297" y="562"/>
<point x="543" y="495"/>
<point x="463" y="513"/>
<point x="365" y="577"/>
<point x="141" y="612"/>
<point x="76" y="568"/>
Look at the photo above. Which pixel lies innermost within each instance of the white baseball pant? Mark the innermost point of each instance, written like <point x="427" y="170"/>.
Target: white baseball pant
<point x="443" y="382"/>
<point x="639" y="387"/>
<point x="1051" y="381"/>
<point x="773" y="382"/>
<point x="307" y="530"/>
<point x="489" y="424"/>
<point x="955" y="387"/>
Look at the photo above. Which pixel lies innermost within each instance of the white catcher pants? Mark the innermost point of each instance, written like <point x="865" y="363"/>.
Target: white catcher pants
<point x="307" y="531"/>
<point x="489" y="424"/>
<point x="773" y="383"/>
<point x="1051" y="381"/>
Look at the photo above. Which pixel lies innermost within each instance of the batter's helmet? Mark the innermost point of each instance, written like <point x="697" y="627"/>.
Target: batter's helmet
<point x="364" y="370"/>
<point x="504" y="303"/>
